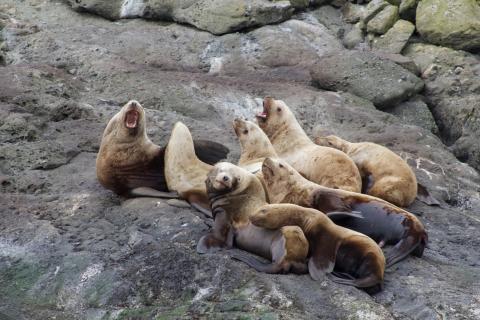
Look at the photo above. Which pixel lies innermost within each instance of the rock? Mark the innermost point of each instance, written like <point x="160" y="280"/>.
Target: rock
<point x="403" y="61"/>
<point x="354" y="36"/>
<point x="373" y="8"/>
<point x="366" y="75"/>
<point x="352" y="13"/>
<point x="332" y="19"/>
<point x="215" y="16"/>
<point x="384" y="20"/>
<point x="454" y="23"/>
<point x="396" y="38"/>
<point x="394" y="2"/>
<point x="407" y="9"/>
<point x="452" y="89"/>
<point x="415" y="112"/>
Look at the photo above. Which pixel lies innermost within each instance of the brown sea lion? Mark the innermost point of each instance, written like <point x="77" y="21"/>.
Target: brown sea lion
<point x="384" y="174"/>
<point x="129" y="164"/>
<point x="234" y="195"/>
<point x="382" y="221"/>
<point x="326" y="166"/>
<point x="354" y="258"/>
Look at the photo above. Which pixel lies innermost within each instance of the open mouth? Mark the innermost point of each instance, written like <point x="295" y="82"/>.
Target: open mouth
<point x="264" y="114"/>
<point x="131" y="119"/>
<point x="266" y="170"/>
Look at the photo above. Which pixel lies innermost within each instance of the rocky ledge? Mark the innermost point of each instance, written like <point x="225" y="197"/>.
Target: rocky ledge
<point x="70" y="249"/>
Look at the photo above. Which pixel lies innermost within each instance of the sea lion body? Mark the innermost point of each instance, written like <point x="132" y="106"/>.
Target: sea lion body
<point x="332" y="248"/>
<point x="386" y="175"/>
<point x="234" y="195"/>
<point x="326" y="166"/>
<point x="382" y="221"/>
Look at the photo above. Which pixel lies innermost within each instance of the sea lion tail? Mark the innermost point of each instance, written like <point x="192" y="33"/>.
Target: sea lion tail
<point x="404" y="247"/>
<point x="370" y="281"/>
<point x="209" y="151"/>
<point x="254" y="262"/>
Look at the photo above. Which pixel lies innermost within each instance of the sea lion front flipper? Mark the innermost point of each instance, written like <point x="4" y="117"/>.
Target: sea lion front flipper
<point x="221" y="235"/>
<point x="367" y="183"/>
<point x="336" y="215"/>
<point x="199" y="202"/>
<point x="152" y="193"/>
<point x="322" y="261"/>
<point x="254" y="262"/>
<point x="209" y="151"/>
<point x="424" y="195"/>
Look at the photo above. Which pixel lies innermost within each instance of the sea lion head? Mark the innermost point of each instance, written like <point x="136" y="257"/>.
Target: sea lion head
<point x="253" y="140"/>
<point x="330" y="141"/>
<point x="128" y="124"/>
<point x="223" y="178"/>
<point x="279" y="178"/>
<point x="275" y="115"/>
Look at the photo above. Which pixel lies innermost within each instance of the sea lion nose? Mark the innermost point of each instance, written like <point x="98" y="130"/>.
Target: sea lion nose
<point x="133" y="104"/>
<point x="226" y="178"/>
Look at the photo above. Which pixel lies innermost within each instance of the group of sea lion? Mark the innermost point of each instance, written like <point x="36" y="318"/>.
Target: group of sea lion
<point x="289" y="200"/>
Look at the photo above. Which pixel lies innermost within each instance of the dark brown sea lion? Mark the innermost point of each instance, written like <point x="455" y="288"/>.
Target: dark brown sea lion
<point x="354" y="258"/>
<point x="382" y="221"/>
<point x="385" y="174"/>
<point x="234" y="195"/>
<point x="326" y="166"/>
<point x="129" y="164"/>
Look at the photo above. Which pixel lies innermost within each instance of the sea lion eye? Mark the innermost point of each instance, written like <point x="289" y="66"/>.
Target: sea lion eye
<point x="280" y="165"/>
<point x="245" y="131"/>
<point x="279" y="109"/>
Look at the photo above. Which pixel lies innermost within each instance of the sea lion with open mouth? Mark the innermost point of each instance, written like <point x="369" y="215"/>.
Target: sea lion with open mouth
<point x="129" y="164"/>
<point x="353" y="258"/>
<point x="382" y="221"/>
<point x="326" y="166"/>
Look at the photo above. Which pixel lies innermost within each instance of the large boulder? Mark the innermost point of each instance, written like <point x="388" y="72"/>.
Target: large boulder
<point x="396" y="38"/>
<point x="365" y="74"/>
<point x="452" y="23"/>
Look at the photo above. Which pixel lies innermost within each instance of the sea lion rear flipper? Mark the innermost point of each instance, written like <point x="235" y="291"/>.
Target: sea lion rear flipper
<point x="404" y="247"/>
<point x="199" y="202"/>
<point x="210" y="152"/>
<point x="424" y="195"/>
<point x="367" y="182"/>
<point x="152" y="193"/>
<point x="254" y="262"/>
<point x="322" y="261"/>
<point x="370" y="281"/>
<point x="337" y="215"/>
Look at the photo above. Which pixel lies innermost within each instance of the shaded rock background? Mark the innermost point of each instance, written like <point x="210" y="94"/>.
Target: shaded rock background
<point x="71" y="250"/>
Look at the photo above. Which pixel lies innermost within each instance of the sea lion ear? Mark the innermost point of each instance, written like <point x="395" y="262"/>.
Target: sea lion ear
<point x="322" y="261"/>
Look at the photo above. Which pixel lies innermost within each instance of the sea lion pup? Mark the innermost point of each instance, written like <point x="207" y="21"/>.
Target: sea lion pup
<point x="382" y="221"/>
<point x="384" y="174"/>
<point x="326" y="166"/>
<point x="129" y="164"/>
<point x="234" y="195"/>
<point x="333" y="248"/>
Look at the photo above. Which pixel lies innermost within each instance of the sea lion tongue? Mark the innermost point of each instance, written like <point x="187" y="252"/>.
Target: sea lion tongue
<point x="131" y="119"/>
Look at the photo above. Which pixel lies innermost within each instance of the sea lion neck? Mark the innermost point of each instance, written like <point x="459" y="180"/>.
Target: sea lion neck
<point x="290" y="131"/>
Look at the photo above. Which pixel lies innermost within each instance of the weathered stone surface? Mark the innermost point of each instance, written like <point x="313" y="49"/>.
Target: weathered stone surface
<point x="401" y="60"/>
<point x="215" y="16"/>
<point x="366" y="75"/>
<point x="407" y="9"/>
<point x="373" y="8"/>
<point x="384" y="20"/>
<point x="354" y="37"/>
<point x="454" y="23"/>
<point x="70" y="249"/>
<point x="352" y="13"/>
<point x="452" y="89"/>
<point x="415" y="112"/>
<point x="396" y="38"/>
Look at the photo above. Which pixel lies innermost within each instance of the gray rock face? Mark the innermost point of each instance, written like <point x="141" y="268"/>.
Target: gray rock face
<point x="70" y="249"/>
<point x="383" y="21"/>
<point x="452" y="89"/>
<point x="396" y="38"/>
<point x="454" y="23"/>
<point x="415" y="112"/>
<point x="215" y="16"/>
<point x="366" y="75"/>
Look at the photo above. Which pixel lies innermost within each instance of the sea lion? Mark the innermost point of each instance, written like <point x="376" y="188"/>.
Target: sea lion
<point x="326" y="166"/>
<point x="382" y="221"/>
<point x="129" y="164"/>
<point x="356" y="259"/>
<point x="234" y="195"/>
<point x="384" y="174"/>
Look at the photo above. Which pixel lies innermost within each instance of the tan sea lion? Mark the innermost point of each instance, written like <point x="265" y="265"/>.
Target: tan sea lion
<point x="129" y="164"/>
<point x="354" y="258"/>
<point x="326" y="166"/>
<point x="234" y="195"/>
<point x="384" y="174"/>
<point x="382" y="221"/>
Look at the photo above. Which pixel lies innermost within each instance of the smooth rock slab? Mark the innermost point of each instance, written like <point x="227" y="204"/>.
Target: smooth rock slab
<point x="366" y="75"/>
<point x="383" y="21"/>
<point x="452" y="23"/>
<point x="396" y="38"/>
<point x="416" y="112"/>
